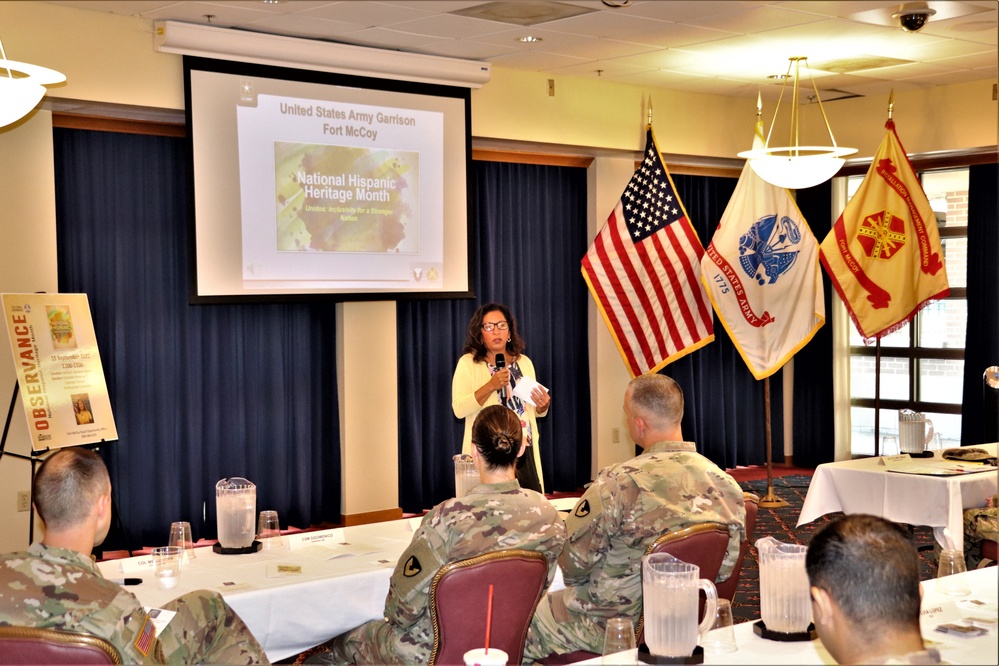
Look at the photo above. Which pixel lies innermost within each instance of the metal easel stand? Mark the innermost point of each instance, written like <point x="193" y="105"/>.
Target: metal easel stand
<point x="34" y="458"/>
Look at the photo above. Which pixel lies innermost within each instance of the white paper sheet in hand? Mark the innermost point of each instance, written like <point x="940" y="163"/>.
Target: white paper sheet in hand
<point x="524" y="387"/>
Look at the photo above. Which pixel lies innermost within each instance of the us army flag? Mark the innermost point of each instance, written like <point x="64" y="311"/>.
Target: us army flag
<point x="762" y="274"/>
<point x="884" y="254"/>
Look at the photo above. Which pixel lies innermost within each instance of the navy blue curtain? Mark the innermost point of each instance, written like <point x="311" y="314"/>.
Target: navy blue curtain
<point x="199" y="392"/>
<point x="724" y="411"/>
<point x="529" y="230"/>
<point x="812" y="416"/>
<point x="981" y="346"/>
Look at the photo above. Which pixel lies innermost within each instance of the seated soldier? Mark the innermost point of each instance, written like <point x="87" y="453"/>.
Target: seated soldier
<point x="864" y="578"/>
<point x="668" y="487"/>
<point x="495" y="515"/>
<point x="56" y="585"/>
<point x="980" y="525"/>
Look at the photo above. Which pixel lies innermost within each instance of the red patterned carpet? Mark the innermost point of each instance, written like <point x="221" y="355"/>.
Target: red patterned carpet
<point x="780" y="524"/>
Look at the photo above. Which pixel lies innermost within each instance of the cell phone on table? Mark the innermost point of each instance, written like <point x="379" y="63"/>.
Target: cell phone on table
<point x="964" y="630"/>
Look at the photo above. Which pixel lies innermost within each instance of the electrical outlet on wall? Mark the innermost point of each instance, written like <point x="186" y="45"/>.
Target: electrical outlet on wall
<point x="23" y="500"/>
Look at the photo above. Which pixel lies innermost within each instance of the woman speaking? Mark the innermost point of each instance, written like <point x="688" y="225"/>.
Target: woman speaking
<point x="492" y="364"/>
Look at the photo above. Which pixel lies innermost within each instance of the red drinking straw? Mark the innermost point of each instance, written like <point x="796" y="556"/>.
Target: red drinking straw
<point x="489" y="617"/>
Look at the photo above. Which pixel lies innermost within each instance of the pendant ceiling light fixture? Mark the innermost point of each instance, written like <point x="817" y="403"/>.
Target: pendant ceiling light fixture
<point x="22" y="86"/>
<point x="794" y="166"/>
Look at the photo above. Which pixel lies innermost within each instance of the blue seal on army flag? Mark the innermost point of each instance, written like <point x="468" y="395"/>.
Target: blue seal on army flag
<point x="770" y="248"/>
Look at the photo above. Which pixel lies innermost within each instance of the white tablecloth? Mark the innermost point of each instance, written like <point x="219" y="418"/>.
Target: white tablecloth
<point x="290" y="614"/>
<point x="865" y="486"/>
<point x="936" y="609"/>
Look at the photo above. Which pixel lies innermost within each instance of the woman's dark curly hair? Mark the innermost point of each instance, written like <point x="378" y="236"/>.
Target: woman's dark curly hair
<point x="473" y="340"/>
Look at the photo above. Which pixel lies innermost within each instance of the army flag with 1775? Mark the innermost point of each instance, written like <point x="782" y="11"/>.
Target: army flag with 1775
<point x="644" y="270"/>
<point x="884" y="254"/>
<point x="762" y="273"/>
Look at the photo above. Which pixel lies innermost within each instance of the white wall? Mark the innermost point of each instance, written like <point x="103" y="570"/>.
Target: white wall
<point x="27" y="264"/>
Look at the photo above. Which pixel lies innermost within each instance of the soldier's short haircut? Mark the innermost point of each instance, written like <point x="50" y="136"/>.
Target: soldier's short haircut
<point x="870" y="567"/>
<point x="657" y="398"/>
<point x="497" y="434"/>
<point x="67" y="485"/>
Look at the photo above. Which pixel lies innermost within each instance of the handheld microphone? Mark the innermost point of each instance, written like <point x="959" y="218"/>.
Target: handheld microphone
<point x="500" y="364"/>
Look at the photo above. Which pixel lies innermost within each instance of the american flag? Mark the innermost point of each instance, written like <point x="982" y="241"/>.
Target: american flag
<point x="644" y="271"/>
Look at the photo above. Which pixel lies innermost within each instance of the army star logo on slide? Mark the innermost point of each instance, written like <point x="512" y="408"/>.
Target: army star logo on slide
<point x="582" y="509"/>
<point x="412" y="567"/>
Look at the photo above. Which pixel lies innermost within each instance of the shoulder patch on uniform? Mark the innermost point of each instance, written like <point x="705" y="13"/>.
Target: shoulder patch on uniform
<point x="144" y="639"/>
<point x="416" y="568"/>
<point x="584" y="513"/>
<point x="412" y="567"/>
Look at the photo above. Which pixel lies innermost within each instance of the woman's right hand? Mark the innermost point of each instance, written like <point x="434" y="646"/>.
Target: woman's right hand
<point x="500" y="379"/>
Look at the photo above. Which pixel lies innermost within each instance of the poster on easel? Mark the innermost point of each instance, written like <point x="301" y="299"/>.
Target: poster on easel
<point x="59" y="371"/>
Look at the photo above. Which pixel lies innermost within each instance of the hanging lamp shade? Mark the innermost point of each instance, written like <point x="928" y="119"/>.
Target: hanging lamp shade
<point x="22" y="87"/>
<point x="794" y="166"/>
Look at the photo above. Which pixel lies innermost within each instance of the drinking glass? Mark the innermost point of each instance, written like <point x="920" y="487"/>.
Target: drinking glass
<point x="889" y="445"/>
<point x="949" y="563"/>
<point x="721" y="637"/>
<point x="180" y="536"/>
<point x="269" y="529"/>
<point x="166" y="566"/>
<point x="618" y="637"/>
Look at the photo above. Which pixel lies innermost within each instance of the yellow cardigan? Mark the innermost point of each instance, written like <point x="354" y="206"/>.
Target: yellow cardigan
<point x="468" y="377"/>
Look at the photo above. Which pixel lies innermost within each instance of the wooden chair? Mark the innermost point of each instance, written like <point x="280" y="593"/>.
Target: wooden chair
<point x="728" y="587"/>
<point x="32" y="645"/>
<point x="459" y="596"/>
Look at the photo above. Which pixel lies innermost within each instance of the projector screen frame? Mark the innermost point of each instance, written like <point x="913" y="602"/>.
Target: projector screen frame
<point x="323" y="78"/>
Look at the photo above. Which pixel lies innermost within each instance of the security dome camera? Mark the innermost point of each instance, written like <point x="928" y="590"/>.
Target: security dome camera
<point x="913" y="19"/>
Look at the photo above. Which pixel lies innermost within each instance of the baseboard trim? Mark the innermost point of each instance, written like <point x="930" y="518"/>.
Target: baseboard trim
<point x="349" y="520"/>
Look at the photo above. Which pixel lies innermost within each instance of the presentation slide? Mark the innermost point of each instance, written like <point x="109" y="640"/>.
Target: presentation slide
<point x="307" y="188"/>
<point x="334" y="191"/>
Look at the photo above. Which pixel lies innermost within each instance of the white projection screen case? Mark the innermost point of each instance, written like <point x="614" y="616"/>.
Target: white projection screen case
<point x="316" y="185"/>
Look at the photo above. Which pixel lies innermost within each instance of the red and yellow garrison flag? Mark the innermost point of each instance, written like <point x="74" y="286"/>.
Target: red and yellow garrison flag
<point x="644" y="271"/>
<point x="762" y="273"/>
<point x="884" y="254"/>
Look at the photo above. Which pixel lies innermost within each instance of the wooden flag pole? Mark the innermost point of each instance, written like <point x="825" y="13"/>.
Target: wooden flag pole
<point x="770" y="500"/>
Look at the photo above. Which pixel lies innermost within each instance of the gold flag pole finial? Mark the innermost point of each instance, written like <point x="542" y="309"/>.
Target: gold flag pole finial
<point x="891" y="103"/>
<point x="759" y="105"/>
<point x="650" y="113"/>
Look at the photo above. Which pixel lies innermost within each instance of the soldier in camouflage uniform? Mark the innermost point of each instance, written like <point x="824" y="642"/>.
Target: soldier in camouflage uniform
<point x="495" y="515"/>
<point x="668" y="487"/>
<point x="864" y="577"/>
<point x="980" y="524"/>
<point x="56" y="585"/>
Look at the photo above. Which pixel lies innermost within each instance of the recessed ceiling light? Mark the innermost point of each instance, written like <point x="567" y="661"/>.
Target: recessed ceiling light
<point x="271" y="2"/>
<point x="529" y="39"/>
<point x="777" y="77"/>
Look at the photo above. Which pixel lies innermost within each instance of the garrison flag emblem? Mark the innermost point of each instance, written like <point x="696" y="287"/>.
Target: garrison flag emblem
<point x="884" y="255"/>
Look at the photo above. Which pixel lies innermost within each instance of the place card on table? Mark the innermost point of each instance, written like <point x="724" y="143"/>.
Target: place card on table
<point x="137" y="564"/>
<point x="324" y="538"/>
<point x="285" y="569"/>
<point x="894" y="461"/>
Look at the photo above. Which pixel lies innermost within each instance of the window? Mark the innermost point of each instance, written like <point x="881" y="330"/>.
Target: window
<point x="922" y="364"/>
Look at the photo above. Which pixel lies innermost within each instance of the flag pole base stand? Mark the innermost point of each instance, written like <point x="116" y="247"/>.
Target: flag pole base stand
<point x="771" y="501"/>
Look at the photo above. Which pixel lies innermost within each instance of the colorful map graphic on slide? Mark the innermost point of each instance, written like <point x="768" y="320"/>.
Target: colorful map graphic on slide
<point x="346" y="199"/>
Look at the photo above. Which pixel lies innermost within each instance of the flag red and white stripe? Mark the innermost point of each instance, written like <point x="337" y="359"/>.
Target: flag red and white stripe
<point x="644" y="270"/>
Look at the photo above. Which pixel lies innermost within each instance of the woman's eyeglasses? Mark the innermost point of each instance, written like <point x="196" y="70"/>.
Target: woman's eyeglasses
<point x="501" y="325"/>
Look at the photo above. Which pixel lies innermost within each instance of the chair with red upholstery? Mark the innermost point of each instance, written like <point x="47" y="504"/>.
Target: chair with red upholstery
<point x="704" y="544"/>
<point x="728" y="587"/>
<point x="32" y="645"/>
<point x="459" y="596"/>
